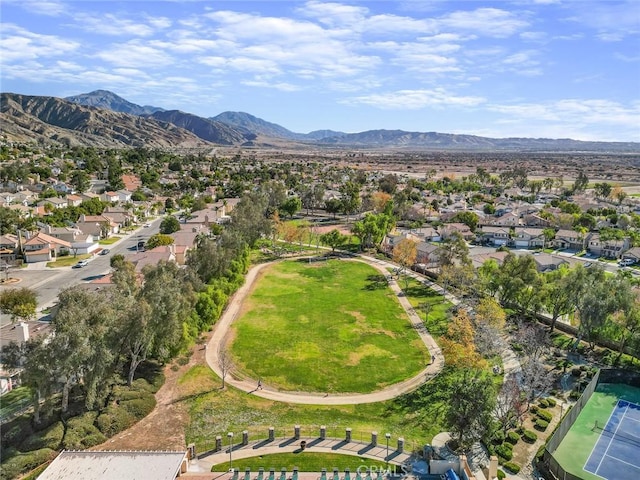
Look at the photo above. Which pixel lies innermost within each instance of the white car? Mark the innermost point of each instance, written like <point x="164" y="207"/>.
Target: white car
<point x="81" y="263"/>
<point x="146" y="225"/>
<point x="626" y="262"/>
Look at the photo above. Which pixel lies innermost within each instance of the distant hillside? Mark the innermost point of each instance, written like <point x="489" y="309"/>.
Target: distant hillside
<point x="257" y="125"/>
<point x="449" y="141"/>
<point x="31" y="118"/>
<point x="320" y="134"/>
<point x="205" y="128"/>
<point x="111" y="101"/>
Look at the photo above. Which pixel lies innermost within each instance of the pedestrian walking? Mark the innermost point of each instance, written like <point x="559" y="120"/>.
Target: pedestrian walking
<point x="259" y="384"/>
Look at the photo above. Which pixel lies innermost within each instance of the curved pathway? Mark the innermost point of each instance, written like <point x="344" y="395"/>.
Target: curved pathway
<point x="231" y="312"/>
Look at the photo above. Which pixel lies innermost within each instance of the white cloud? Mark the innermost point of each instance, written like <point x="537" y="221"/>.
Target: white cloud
<point x="50" y="8"/>
<point x="414" y="100"/>
<point x="334" y="14"/>
<point x="18" y="44"/>
<point x="282" y="86"/>
<point x="135" y="54"/>
<point x="491" y="22"/>
<point x="111" y="24"/>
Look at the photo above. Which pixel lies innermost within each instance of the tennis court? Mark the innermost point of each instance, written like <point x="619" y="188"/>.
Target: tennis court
<point x="616" y="454"/>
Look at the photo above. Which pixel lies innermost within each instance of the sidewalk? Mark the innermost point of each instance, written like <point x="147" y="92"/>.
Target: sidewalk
<point x="205" y="461"/>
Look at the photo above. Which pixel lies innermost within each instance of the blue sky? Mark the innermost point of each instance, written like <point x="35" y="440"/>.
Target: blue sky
<point x="531" y="68"/>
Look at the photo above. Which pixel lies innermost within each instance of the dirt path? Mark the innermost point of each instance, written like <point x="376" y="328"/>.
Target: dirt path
<point x="164" y="428"/>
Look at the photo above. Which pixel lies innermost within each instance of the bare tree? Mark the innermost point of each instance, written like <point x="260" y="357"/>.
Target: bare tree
<point x="225" y="362"/>
<point x="510" y="406"/>
<point x="536" y="380"/>
<point x="534" y="340"/>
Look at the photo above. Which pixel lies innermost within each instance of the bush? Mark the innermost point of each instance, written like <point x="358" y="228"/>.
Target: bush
<point x="543" y="403"/>
<point x="114" y="420"/>
<point x="552" y="402"/>
<point x="49" y="438"/>
<point x="529" y="436"/>
<point x="540" y="452"/>
<point x="576" y="372"/>
<point x="505" y="451"/>
<point x="544" y="415"/>
<point x="513" y="438"/>
<point x="541" y="425"/>
<point x="501" y="474"/>
<point x="520" y="430"/>
<point x="512" y="467"/>
<point x="140" y="407"/>
<point x="23" y="462"/>
<point x="498" y="437"/>
<point x="82" y="433"/>
<point x="16" y="431"/>
<point x="533" y="408"/>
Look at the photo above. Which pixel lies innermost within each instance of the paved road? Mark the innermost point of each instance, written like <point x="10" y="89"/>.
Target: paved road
<point x="249" y="385"/>
<point x="49" y="282"/>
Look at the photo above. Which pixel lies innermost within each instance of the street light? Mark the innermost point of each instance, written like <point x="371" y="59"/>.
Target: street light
<point x="230" y="435"/>
<point x="387" y="436"/>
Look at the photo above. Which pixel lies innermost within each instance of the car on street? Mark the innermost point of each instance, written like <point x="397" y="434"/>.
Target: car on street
<point x="146" y="225"/>
<point x="105" y="251"/>
<point x="81" y="263"/>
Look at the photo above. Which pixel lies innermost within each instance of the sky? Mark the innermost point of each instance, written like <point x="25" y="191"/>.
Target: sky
<point x="521" y="68"/>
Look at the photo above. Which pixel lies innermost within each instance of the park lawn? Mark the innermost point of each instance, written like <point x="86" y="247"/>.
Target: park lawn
<point x="331" y="326"/>
<point x="416" y="416"/>
<point x="14" y="400"/>
<point x="437" y="319"/>
<point x="305" y="461"/>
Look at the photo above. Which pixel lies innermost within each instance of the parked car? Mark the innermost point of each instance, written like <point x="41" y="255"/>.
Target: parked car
<point x="625" y="262"/>
<point x="81" y="263"/>
<point x="146" y="225"/>
<point x="105" y="251"/>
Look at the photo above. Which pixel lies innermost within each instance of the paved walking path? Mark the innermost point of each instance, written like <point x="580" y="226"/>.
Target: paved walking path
<point x="250" y="385"/>
<point x="288" y="445"/>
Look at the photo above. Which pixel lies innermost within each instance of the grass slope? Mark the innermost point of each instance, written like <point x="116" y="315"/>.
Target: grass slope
<point x="326" y="327"/>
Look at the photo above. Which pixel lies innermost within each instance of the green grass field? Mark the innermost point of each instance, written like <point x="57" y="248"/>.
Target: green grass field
<point x="305" y="462"/>
<point x="331" y="326"/>
<point x="574" y="450"/>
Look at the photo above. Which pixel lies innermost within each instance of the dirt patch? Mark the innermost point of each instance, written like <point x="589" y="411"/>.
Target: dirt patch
<point x="10" y="281"/>
<point x="164" y="428"/>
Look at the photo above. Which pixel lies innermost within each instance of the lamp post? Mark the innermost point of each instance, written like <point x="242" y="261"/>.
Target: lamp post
<point x="230" y="435"/>
<point x="387" y="436"/>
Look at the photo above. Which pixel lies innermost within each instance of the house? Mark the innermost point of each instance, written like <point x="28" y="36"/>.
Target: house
<point x="568" y="240"/>
<point x="124" y="196"/>
<point x="150" y="257"/>
<point x="119" y="215"/>
<point x="97" y="225"/>
<point x="535" y="220"/>
<point x="55" y="202"/>
<point x="131" y="182"/>
<point x="508" y="219"/>
<point x="546" y="262"/>
<point x="74" y="200"/>
<point x="632" y="254"/>
<point x="129" y="464"/>
<point x="391" y="240"/>
<point x="478" y="260"/>
<point x="427" y="255"/>
<point x="448" y="229"/>
<point x="86" y="196"/>
<point x="610" y="248"/>
<point x="496" y="236"/>
<point x="68" y="234"/>
<point x="428" y="234"/>
<point x="43" y="248"/>
<point x="84" y="244"/>
<point x="528" y="237"/>
<point x="110" y="197"/>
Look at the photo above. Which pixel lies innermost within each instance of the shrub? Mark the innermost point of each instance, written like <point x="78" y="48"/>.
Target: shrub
<point x="520" y="430"/>
<point x="82" y="433"/>
<point x="540" y="452"/>
<point x="140" y="407"/>
<point x="512" y="467"/>
<point x="513" y="438"/>
<point x="505" y="451"/>
<point x="529" y="436"/>
<point x="23" y="462"/>
<point x="544" y="415"/>
<point x="543" y="403"/>
<point x="15" y="432"/>
<point x="533" y="408"/>
<point x="501" y="475"/>
<point x="576" y="372"/>
<point x="574" y="395"/>
<point x="552" y="402"/>
<point x="114" y="420"/>
<point x="498" y="437"/>
<point x="541" y="425"/>
<point x="49" y="438"/>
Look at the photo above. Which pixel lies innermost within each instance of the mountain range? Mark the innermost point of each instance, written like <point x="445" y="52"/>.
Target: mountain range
<point x="102" y="118"/>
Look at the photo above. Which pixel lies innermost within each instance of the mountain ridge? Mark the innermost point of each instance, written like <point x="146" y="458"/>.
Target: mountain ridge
<point x="243" y="129"/>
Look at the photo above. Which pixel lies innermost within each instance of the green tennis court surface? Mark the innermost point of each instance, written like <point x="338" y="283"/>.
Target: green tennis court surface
<point x="579" y="444"/>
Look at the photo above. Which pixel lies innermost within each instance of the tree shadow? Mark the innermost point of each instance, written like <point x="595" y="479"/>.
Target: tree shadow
<point x="376" y="282"/>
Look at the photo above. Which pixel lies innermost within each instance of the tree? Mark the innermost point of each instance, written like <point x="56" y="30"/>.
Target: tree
<point x="157" y="240"/>
<point x="225" y="362"/>
<point x="20" y="303"/>
<point x="453" y="248"/>
<point x="169" y="225"/>
<point x="490" y="312"/>
<point x="509" y="408"/>
<point x="169" y="205"/>
<point x="405" y="253"/>
<point x="618" y="194"/>
<point x="468" y="409"/>
<point x="470" y="219"/>
<point x="557" y="297"/>
<point x="536" y="379"/>
<point x="581" y="182"/>
<point x="458" y="342"/>
<point x="333" y="206"/>
<point x="80" y="181"/>
<point x="291" y="206"/>
<point x="602" y="190"/>
<point x="334" y="239"/>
